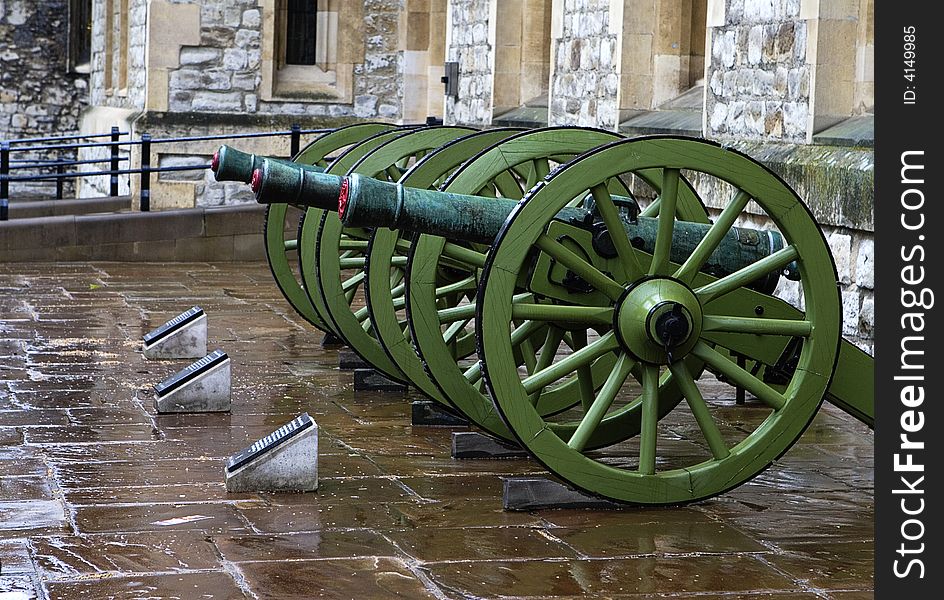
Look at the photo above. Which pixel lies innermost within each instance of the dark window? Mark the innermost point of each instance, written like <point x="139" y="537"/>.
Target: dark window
<point x="80" y="33"/>
<point x="301" y="24"/>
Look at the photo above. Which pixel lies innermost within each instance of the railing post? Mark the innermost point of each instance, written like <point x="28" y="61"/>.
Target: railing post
<point x="4" y="182"/>
<point x="114" y="160"/>
<point x="145" y="172"/>
<point x="60" y="170"/>
<point x="296" y="139"/>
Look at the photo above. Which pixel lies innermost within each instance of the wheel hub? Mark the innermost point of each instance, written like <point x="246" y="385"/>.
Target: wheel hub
<point x="658" y="320"/>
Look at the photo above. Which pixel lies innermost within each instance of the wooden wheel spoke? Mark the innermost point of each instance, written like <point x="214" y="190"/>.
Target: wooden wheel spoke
<point x="666" y="226"/>
<point x="584" y="315"/>
<point x="524" y="331"/>
<point x="474" y="373"/>
<point x="540" y="167"/>
<point x="716" y="233"/>
<point x="468" y="283"/>
<point x="464" y="255"/>
<point x="361" y="314"/>
<point x="356" y="233"/>
<point x="569" y="364"/>
<point x="528" y="354"/>
<point x="614" y="224"/>
<point x="548" y="352"/>
<point x="397" y="290"/>
<point x="699" y="408"/>
<point x="598" y="407"/>
<point x="652" y="210"/>
<point x="738" y="376"/>
<point x="649" y="429"/>
<point x="456" y="313"/>
<point x="353" y="281"/>
<point x="791" y="327"/>
<point x="393" y="173"/>
<point x="454" y="330"/>
<point x="352" y="263"/>
<point x="507" y="185"/>
<point x="580" y="267"/>
<point x="584" y="373"/>
<point x="403" y="244"/>
<point x="742" y="277"/>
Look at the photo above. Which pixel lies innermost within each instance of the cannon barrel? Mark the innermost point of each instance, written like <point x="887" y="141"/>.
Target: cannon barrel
<point x="230" y="164"/>
<point x="366" y="202"/>
<point x="291" y="183"/>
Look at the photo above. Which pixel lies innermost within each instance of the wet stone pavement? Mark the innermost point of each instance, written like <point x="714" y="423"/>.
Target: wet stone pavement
<point x="101" y="498"/>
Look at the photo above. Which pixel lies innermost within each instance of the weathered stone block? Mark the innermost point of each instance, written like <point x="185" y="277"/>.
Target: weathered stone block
<point x="865" y="264"/>
<point x="199" y="55"/>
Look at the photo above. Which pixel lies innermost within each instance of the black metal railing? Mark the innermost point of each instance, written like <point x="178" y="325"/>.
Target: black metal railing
<point x="58" y="168"/>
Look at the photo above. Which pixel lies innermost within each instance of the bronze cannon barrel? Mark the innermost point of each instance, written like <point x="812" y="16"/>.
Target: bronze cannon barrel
<point x="366" y="202"/>
<point x="230" y="164"/>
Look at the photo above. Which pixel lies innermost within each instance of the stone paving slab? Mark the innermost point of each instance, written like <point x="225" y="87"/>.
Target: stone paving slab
<point x="102" y="498"/>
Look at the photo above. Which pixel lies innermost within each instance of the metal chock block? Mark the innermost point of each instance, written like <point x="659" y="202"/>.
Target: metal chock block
<point x="370" y="380"/>
<point x="426" y="413"/>
<point x="286" y="460"/>
<point x="472" y="444"/>
<point x="350" y="360"/>
<point x="184" y="336"/>
<point x="204" y="386"/>
<point x="536" y="493"/>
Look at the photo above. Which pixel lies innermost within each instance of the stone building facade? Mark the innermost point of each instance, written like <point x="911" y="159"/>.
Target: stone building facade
<point x="787" y="81"/>
<point x="43" y="88"/>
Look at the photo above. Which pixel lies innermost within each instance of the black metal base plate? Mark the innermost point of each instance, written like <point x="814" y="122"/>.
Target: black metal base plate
<point x="347" y="359"/>
<point x="370" y="380"/>
<point x="331" y="341"/>
<point x="472" y="444"/>
<point x="426" y="413"/>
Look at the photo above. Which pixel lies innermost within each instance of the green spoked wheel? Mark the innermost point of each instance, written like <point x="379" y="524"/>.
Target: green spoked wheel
<point x="385" y="302"/>
<point x="522" y="160"/>
<point x="341" y="253"/>
<point x="664" y="319"/>
<point x="281" y="250"/>
<point x="310" y="223"/>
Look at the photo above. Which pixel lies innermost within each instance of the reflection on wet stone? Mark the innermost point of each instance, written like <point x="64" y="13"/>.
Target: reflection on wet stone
<point x="101" y="498"/>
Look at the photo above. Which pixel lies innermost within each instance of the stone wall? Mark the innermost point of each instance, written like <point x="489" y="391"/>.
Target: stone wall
<point x="220" y="71"/>
<point x="208" y="67"/>
<point x="838" y="186"/>
<point x="584" y="73"/>
<point x="759" y="83"/>
<point x="470" y="42"/>
<point x="125" y="85"/>
<point x="40" y="95"/>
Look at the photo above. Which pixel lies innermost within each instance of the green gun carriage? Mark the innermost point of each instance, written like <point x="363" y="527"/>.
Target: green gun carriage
<point x="595" y="315"/>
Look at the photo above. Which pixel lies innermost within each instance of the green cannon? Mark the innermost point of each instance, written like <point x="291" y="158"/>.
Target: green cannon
<point x="580" y="345"/>
<point x="335" y="261"/>
<point x="230" y="164"/>
<point x="366" y="202"/>
<point x="635" y="326"/>
<point x="282" y="219"/>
